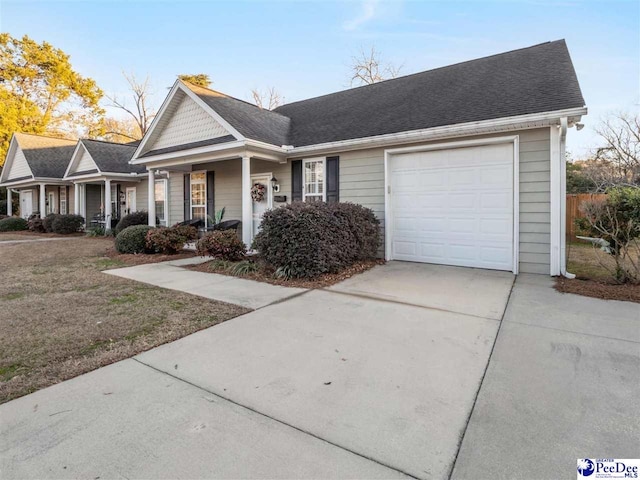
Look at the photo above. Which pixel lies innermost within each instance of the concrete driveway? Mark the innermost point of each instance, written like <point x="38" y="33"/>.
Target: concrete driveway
<point x="376" y="384"/>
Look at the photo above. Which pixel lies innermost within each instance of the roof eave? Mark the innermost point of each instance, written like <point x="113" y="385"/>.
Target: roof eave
<point x="519" y="122"/>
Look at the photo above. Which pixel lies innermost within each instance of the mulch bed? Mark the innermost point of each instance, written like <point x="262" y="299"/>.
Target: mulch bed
<point x="266" y="275"/>
<point x="133" y="259"/>
<point x="592" y="288"/>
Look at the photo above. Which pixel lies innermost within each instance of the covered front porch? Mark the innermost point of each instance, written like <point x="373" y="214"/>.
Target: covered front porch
<point x="104" y="199"/>
<point x="199" y="186"/>
<point x="40" y="197"/>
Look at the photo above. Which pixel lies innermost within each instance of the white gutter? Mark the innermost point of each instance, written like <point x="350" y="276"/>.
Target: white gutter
<point x="483" y="126"/>
<point x="563" y="199"/>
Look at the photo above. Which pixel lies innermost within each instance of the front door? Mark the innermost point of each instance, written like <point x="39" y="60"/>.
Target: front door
<point x="26" y="203"/>
<point x="130" y="200"/>
<point x="265" y="203"/>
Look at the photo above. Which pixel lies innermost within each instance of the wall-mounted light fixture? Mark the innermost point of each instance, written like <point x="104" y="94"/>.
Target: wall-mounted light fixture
<point x="274" y="184"/>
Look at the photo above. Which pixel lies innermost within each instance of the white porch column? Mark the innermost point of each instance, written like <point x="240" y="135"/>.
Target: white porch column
<point x="152" y="198"/>
<point x="76" y="198"/>
<point x="107" y="205"/>
<point x="247" y="217"/>
<point x="9" y="211"/>
<point x="43" y="201"/>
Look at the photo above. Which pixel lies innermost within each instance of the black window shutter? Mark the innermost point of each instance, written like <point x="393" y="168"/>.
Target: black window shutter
<point x="296" y="180"/>
<point x="187" y="196"/>
<point x="66" y="196"/>
<point x="118" y="206"/>
<point x="333" y="179"/>
<point x="59" y="188"/>
<point x="211" y="197"/>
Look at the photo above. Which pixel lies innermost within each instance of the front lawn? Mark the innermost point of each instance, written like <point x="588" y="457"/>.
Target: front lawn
<point x="60" y="316"/>
<point x="592" y="268"/>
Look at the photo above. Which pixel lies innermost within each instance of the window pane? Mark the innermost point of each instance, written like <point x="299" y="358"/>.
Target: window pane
<point x="160" y="210"/>
<point x="198" y="196"/>
<point x="160" y="190"/>
<point x="198" y="177"/>
<point x="197" y="212"/>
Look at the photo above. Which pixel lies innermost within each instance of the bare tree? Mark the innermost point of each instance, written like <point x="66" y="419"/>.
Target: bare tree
<point x="368" y="68"/>
<point x="120" y="130"/>
<point x="141" y="112"/>
<point x="617" y="162"/>
<point x="268" y="99"/>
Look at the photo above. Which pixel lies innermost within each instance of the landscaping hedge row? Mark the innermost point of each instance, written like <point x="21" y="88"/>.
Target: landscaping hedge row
<point x="147" y="239"/>
<point x="309" y="239"/>
<point x="13" y="224"/>
<point x="56" y="223"/>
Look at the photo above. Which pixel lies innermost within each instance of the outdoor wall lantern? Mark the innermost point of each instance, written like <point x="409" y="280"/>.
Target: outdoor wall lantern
<point x="274" y="184"/>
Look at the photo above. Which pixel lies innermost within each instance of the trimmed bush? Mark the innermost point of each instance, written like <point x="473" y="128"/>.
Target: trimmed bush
<point x="67" y="224"/>
<point x="222" y="244"/>
<point x="47" y="222"/>
<point x="135" y="218"/>
<point x="133" y="239"/>
<point x="170" y="240"/>
<point x="309" y="239"/>
<point x="36" y="224"/>
<point x="13" y="224"/>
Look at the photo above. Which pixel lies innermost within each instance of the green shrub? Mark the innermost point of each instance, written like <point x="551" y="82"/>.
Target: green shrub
<point x="36" y="224"/>
<point x="135" y="218"/>
<point x="614" y="225"/>
<point x="133" y="239"/>
<point x="13" y="224"/>
<point x="222" y="244"/>
<point x="309" y="239"/>
<point x="170" y="240"/>
<point x="66" y="224"/>
<point x="243" y="268"/>
<point x="47" y="222"/>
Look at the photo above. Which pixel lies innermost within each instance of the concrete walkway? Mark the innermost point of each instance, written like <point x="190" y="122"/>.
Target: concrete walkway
<point x="224" y="288"/>
<point x="563" y="383"/>
<point x="31" y="240"/>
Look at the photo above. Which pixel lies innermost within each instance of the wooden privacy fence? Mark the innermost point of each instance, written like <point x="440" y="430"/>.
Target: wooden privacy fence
<point x="573" y="210"/>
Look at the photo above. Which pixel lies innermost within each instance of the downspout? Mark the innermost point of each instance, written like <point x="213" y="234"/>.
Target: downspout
<point x="563" y="199"/>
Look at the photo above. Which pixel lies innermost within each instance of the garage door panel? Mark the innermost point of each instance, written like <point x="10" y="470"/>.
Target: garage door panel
<point x="453" y="207"/>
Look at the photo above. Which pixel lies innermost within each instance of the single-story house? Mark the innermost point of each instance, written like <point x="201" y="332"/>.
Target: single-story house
<point x="464" y="165"/>
<point x="34" y="169"/>
<point x="107" y="186"/>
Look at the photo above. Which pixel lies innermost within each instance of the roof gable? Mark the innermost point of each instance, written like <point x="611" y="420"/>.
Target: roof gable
<point x="47" y="157"/>
<point x="16" y="166"/>
<point x="183" y="122"/>
<point x="251" y="121"/>
<point x="96" y="156"/>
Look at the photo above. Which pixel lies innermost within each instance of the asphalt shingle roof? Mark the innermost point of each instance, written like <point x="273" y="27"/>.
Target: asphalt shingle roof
<point x="536" y="79"/>
<point x="47" y="156"/>
<point x="112" y="157"/>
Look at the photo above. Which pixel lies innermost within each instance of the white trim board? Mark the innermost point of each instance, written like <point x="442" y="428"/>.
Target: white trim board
<point x="514" y="139"/>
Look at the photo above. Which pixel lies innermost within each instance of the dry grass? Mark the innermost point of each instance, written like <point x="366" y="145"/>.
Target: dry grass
<point x="265" y="274"/>
<point x="60" y="316"/>
<point x="592" y="268"/>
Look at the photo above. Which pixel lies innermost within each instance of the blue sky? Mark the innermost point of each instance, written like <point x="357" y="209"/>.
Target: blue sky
<point x="303" y="48"/>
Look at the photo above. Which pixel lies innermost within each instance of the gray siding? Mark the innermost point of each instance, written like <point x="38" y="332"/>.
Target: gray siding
<point x="362" y="181"/>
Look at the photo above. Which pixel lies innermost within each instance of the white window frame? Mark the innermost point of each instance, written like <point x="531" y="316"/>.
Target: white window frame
<point x="164" y="182"/>
<point x="306" y="161"/>
<point x="51" y="201"/>
<point x="191" y="183"/>
<point x="62" y="191"/>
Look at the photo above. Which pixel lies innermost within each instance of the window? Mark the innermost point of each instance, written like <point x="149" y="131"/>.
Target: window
<point x="161" y="200"/>
<point x="63" y="200"/>
<point x="313" y="180"/>
<point x="199" y="195"/>
<point x="114" y="200"/>
<point x="50" y="206"/>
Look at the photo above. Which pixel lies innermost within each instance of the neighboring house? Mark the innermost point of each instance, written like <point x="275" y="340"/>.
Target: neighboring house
<point x="34" y="170"/>
<point x="107" y="186"/>
<point x="464" y="165"/>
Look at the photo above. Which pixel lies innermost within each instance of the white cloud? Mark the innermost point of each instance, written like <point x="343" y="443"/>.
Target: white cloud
<point x="368" y="12"/>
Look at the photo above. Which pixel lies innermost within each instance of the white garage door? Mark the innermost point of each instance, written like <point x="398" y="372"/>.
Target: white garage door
<point x="453" y="207"/>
